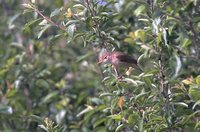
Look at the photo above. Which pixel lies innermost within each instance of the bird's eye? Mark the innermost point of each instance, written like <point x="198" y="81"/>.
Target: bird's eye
<point x="105" y="57"/>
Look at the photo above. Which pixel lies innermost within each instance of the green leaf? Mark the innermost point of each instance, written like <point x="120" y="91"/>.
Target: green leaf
<point x="142" y="94"/>
<point x="120" y="127"/>
<point x="196" y="103"/>
<point x="27" y="27"/>
<point x="100" y="129"/>
<point x="194" y="92"/>
<point x="140" y="124"/>
<point x="197" y="125"/>
<point x="44" y="28"/>
<point x="70" y="22"/>
<point x="41" y="83"/>
<point x="129" y="80"/>
<point x="79" y="6"/>
<point x="70" y="32"/>
<point x="165" y="36"/>
<point x="139" y="10"/>
<point x="197" y="79"/>
<point x="99" y="121"/>
<point x="36" y="118"/>
<point x="49" y="97"/>
<point x="17" y="45"/>
<point x="116" y="117"/>
<point x="106" y="94"/>
<point x="181" y="104"/>
<point x="178" y="65"/>
<point x="86" y="110"/>
<point x="185" y="43"/>
<point x="43" y="127"/>
<point x="55" y="12"/>
<point x="11" y="24"/>
<point x="4" y="109"/>
<point x="133" y="118"/>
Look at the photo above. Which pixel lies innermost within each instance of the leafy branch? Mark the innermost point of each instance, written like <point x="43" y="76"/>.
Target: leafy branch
<point x="33" y="8"/>
<point x="96" y="23"/>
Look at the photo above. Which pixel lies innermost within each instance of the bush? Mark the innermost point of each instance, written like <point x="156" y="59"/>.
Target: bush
<point x="50" y="79"/>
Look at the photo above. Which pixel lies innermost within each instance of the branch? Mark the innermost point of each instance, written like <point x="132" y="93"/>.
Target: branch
<point x="49" y="20"/>
<point x="97" y="26"/>
<point x="32" y="7"/>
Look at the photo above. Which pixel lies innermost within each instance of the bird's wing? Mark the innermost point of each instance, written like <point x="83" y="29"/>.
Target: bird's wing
<point x="125" y="58"/>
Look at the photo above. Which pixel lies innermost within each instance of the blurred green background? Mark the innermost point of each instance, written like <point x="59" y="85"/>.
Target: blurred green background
<point x="50" y="80"/>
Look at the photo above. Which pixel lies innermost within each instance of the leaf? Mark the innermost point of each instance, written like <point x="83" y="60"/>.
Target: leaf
<point x="185" y="43"/>
<point x="139" y="10"/>
<point x="49" y="97"/>
<point x="41" y="83"/>
<point x="30" y="24"/>
<point x="178" y="65"/>
<point x="60" y="116"/>
<point x="155" y="24"/>
<point x="78" y="6"/>
<point x="36" y="118"/>
<point x="133" y="118"/>
<point x="106" y="78"/>
<point x="106" y="94"/>
<point x="121" y="102"/>
<point x="188" y="81"/>
<point x="197" y="79"/>
<point x="17" y="45"/>
<point x="138" y="34"/>
<point x="44" y="28"/>
<point x="53" y="39"/>
<point x="28" y="6"/>
<point x="129" y="80"/>
<point x="100" y="129"/>
<point x="70" y="22"/>
<point x="165" y="36"/>
<point x="197" y="125"/>
<point x="140" y="124"/>
<point x="99" y="121"/>
<point x="196" y="103"/>
<point x="148" y="82"/>
<point x="43" y="127"/>
<point x="55" y="12"/>
<point x="89" y="108"/>
<point x="11" y="24"/>
<point x="194" y="93"/>
<point x="116" y="117"/>
<point x="120" y="127"/>
<point x="70" y="32"/>
<point x="4" y="109"/>
<point x="142" y="94"/>
<point x="83" y="57"/>
<point x="181" y="104"/>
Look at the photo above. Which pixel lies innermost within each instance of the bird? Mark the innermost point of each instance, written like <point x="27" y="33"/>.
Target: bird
<point x="118" y="60"/>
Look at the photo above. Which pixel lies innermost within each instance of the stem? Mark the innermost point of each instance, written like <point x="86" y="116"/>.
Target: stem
<point x="162" y="77"/>
<point x="49" y="20"/>
<point x="97" y="26"/>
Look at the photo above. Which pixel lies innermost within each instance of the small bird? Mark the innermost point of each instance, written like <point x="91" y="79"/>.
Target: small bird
<point x="118" y="60"/>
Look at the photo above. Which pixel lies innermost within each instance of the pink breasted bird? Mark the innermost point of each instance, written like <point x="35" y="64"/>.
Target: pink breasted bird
<point x="118" y="60"/>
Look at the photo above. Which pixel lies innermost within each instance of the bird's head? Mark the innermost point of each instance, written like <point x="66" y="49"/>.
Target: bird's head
<point x="104" y="56"/>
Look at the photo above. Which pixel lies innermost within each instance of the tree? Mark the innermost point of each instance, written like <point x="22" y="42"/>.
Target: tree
<point x="50" y="78"/>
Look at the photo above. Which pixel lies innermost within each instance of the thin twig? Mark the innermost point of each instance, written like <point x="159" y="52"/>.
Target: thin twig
<point x="49" y="20"/>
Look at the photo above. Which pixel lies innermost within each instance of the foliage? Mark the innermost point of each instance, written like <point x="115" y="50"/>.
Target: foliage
<point x="50" y="80"/>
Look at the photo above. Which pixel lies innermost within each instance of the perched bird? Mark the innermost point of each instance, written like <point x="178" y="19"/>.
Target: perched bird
<point x="118" y="60"/>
